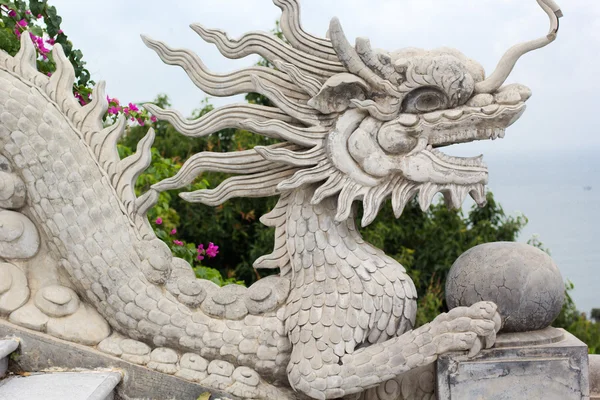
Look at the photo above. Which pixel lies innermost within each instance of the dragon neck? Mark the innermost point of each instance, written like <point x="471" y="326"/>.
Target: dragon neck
<point x="337" y="276"/>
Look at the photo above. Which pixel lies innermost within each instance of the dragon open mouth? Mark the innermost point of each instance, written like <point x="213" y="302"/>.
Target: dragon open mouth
<point x="469" y="124"/>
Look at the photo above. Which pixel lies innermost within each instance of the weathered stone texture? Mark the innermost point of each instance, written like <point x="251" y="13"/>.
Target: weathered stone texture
<point x="553" y="371"/>
<point x="523" y="281"/>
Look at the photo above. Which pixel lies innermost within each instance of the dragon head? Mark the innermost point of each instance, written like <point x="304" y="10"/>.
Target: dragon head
<point x="363" y="124"/>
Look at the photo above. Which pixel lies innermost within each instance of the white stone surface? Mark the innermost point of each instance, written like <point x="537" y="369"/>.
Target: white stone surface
<point x="18" y="236"/>
<point x="7" y="346"/>
<point x="60" y="386"/>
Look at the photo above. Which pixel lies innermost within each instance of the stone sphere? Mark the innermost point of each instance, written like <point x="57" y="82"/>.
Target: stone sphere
<point x="522" y="280"/>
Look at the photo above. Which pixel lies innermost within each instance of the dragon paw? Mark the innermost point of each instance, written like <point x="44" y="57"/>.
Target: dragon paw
<point x="467" y="328"/>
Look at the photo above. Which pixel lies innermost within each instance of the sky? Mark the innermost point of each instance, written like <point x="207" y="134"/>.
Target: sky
<point x="561" y="115"/>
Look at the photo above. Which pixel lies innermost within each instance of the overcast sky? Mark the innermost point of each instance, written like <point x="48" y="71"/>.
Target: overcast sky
<point x="562" y="114"/>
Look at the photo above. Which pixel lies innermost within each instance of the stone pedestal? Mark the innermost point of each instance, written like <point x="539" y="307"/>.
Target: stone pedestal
<point x="595" y="377"/>
<point x="550" y="364"/>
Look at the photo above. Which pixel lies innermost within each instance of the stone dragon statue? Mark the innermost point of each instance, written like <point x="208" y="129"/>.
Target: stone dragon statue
<point x="81" y="262"/>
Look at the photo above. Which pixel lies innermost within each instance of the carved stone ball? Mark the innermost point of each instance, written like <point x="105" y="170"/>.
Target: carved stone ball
<point x="522" y="280"/>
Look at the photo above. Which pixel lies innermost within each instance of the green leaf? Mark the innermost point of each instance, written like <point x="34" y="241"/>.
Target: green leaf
<point x="37" y="6"/>
<point x="204" y="396"/>
<point x="36" y="30"/>
<point x="9" y="41"/>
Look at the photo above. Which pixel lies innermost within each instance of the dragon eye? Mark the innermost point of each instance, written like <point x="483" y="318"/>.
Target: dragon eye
<point x="424" y="100"/>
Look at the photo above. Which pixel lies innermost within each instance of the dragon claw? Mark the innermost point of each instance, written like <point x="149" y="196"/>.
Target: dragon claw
<point x="474" y="327"/>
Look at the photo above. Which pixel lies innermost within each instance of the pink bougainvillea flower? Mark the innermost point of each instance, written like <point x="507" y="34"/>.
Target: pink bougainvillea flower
<point x="173" y="231"/>
<point x="212" y="250"/>
<point x="12" y="13"/>
<point x="49" y="73"/>
<point x="133" y="107"/>
<point x="22" y="23"/>
<point x="51" y="41"/>
<point x="200" y="257"/>
<point x="200" y="248"/>
<point x="159" y="221"/>
<point x="60" y="31"/>
<point x="141" y="122"/>
<point x="80" y="98"/>
<point x="178" y="242"/>
<point x="39" y="16"/>
<point x="126" y="110"/>
<point x="113" y="110"/>
<point x="27" y="12"/>
<point x="18" y="33"/>
<point x="153" y="118"/>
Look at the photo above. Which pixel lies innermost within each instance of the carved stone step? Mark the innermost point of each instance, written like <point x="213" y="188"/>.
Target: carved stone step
<point x="7" y="346"/>
<point x="65" y="385"/>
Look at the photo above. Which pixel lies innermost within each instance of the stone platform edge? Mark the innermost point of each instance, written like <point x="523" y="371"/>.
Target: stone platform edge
<point x="39" y="352"/>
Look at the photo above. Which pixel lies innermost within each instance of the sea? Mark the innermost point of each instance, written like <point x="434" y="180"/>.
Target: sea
<point x="559" y="192"/>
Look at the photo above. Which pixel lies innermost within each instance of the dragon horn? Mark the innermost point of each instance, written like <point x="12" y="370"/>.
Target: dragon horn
<point x="510" y="58"/>
<point x="352" y="61"/>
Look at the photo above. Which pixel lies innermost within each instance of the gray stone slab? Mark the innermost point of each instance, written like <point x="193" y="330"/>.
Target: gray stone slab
<point x="39" y="352"/>
<point x="595" y="377"/>
<point x="60" y="386"/>
<point x="552" y="371"/>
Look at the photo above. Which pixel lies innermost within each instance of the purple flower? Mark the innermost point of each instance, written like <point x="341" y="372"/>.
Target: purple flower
<point x="133" y="107"/>
<point x="212" y="250"/>
<point x="12" y="13"/>
<point x="159" y="221"/>
<point x="27" y="12"/>
<point x="39" y="16"/>
<point x="22" y="23"/>
<point x="51" y="41"/>
<point x="141" y="121"/>
<point x="200" y="257"/>
<point x="173" y="231"/>
<point x="113" y="110"/>
<point x="153" y="118"/>
<point x="60" y="31"/>
<point x="178" y="242"/>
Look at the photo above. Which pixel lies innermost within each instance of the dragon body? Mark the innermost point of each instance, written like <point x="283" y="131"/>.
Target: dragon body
<point x="354" y="124"/>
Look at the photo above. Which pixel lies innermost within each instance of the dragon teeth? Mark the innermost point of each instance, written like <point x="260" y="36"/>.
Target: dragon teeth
<point x="478" y="194"/>
<point x="426" y="195"/>
<point x="469" y="162"/>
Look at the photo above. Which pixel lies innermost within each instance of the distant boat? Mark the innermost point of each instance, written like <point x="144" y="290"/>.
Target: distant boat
<point x="587" y="188"/>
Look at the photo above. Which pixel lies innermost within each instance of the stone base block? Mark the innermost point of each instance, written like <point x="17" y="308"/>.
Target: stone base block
<point x="595" y="377"/>
<point x="550" y="364"/>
